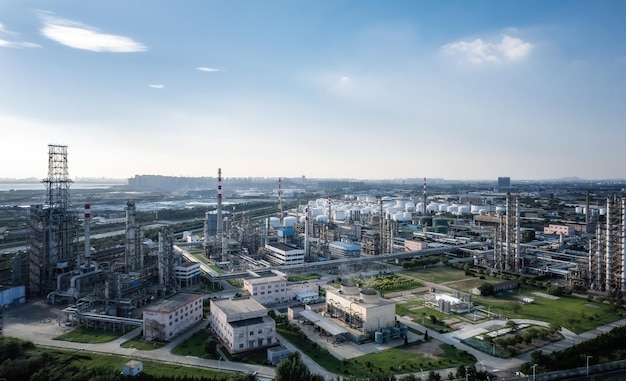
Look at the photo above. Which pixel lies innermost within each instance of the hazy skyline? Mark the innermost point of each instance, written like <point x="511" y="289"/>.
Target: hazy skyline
<point x="327" y="89"/>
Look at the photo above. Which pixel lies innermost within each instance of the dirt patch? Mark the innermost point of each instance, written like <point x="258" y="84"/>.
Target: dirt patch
<point x="591" y="306"/>
<point x="430" y="348"/>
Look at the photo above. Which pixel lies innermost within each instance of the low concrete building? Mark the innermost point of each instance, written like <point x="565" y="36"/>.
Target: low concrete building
<point x="277" y="354"/>
<point x="282" y="254"/>
<point x="242" y="324"/>
<point x="266" y="290"/>
<point x="169" y="317"/>
<point x="187" y="274"/>
<point x="362" y="310"/>
<point x="132" y="368"/>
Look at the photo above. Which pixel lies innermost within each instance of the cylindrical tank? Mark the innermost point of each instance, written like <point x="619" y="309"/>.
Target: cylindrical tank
<point x="500" y="209"/>
<point x="317" y="211"/>
<point x="440" y="222"/>
<point x="289" y="221"/>
<point x="348" y="287"/>
<point x="409" y="207"/>
<point x="387" y="334"/>
<point x="322" y="219"/>
<point x="370" y="296"/>
<point x="463" y="209"/>
<point x="378" y="337"/>
<point x="340" y="215"/>
<point x="452" y="209"/>
<point x="443" y="207"/>
<point x="274" y="222"/>
<point x="426" y="221"/>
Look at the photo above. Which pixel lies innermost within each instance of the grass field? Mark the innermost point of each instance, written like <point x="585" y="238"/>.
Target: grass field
<point x="194" y="346"/>
<point x="85" y="360"/>
<point x="89" y="335"/>
<point x="437" y="274"/>
<point x="302" y="277"/>
<point x="142" y="345"/>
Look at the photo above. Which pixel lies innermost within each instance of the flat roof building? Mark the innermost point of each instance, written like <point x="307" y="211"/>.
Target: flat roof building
<point x="169" y="317"/>
<point x="242" y="324"/>
<point x="282" y="254"/>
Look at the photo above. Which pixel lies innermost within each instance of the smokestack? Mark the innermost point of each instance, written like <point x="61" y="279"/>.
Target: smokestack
<point x="306" y="232"/>
<point x="587" y="214"/>
<point x="424" y="198"/>
<point x="131" y="238"/>
<point x="219" y="204"/>
<point x="87" y="233"/>
<point x="280" y="201"/>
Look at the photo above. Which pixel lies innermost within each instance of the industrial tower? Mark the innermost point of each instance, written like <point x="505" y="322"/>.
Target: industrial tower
<point x="53" y="227"/>
<point x="607" y="263"/>
<point x="507" y="238"/>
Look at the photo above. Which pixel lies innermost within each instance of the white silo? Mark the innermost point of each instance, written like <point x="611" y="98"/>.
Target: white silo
<point x="339" y="215"/>
<point x="322" y="218"/>
<point x="289" y="221"/>
<point x="274" y="222"/>
<point x="443" y="207"/>
<point x="464" y="209"/>
<point x="409" y="207"/>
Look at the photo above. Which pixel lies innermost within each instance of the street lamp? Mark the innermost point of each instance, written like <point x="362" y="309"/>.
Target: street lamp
<point x="534" y="366"/>
<point x="219" y="363"/>
<point x="494" y="349"/>
<point x="588" y="357"/>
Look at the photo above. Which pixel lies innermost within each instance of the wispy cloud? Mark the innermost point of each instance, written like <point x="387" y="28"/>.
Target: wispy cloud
<point x="478" y="51"/>
<point x="10" y="41"/>
<point x="156" y="85"/>
<point x="208" y="69"/>
<point x="79" y="36"/>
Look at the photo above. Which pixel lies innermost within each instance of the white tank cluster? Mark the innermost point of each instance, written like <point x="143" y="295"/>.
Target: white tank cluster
<point x="289" y="221"/>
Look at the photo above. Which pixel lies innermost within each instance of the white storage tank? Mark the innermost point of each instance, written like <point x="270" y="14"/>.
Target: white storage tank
<point x="452" y="209"/>
<point x="339" y="215"/>
<point x="289" y="221"/>
<point x="317" y="211"/>
<point x="500" y="209"/>
<point x="579" y="209"/>
<point x="322" y="218"/>
<point x="464" y="209"/>
<point x="443" y="207"/>
<point x="409" y="207"/>
<point x="432" y="207"/>
<point x="274" y="222"/>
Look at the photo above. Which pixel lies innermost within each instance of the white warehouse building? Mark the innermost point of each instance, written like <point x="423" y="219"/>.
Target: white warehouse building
<point x="242" y="324"/>
<point x="282" y="254"/>
<point x="171" y="316"/>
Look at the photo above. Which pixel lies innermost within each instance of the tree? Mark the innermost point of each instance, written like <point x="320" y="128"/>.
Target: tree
<point x="433" y="319"/>
<point x="460" y="372"/>
<point x="426" y="336"/>
<point x="432" y="376"/>
<point x="292" y="369"/>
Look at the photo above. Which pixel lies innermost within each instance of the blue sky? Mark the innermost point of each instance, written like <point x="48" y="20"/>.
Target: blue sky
<point x="327" y="89"/>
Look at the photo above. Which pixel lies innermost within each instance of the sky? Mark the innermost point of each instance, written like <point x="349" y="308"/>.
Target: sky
<point x="355" y="89"/>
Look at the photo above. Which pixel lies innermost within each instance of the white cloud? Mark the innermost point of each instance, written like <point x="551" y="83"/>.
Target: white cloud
<point x="157" y="86"/>
<point x="478" y="51"/>
<point x="208" y="69"/>
<point x="345" y="78"/>
<point x="79" y="36"/>
<point x="11" y="43"/>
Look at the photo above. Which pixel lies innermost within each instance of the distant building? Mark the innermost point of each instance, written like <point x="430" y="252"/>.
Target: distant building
<point x="342" y="249"/>
<point x="242" y="324"/>
<point x="169" y="317"/>
<point x="565" y="230"/>
<point x="504" y="183"/>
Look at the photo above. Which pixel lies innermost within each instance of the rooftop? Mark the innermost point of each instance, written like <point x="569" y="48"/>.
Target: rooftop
<point x="267" y="279"/>
<point x="173" y="303"/>
<point x="238" y="306"/>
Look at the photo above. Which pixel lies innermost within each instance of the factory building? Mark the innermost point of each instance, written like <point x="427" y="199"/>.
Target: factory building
<point x="169" y="317"/>
<point x="282" y="254"/>
<point x="363" y="311"/>
<point x="187" y="274"/>
<point x="242" y="324"/>
<point x="342" y="249"/>
<point x="266" y="290"/>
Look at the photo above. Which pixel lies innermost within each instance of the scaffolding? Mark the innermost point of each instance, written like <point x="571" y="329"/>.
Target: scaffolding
<point x="52" y="227"/>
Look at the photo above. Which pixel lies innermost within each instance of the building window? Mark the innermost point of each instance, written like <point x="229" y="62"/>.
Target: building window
<point x="251" y="332"/>
<point x="241" y="346"/>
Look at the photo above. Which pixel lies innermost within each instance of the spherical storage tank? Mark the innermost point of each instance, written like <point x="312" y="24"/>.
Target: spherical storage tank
<point x="289" y="221"/>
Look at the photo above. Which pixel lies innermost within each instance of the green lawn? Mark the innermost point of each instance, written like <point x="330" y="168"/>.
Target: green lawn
<point x="90" y="335"/>
<point x="84" y="360"/>
<point x="437" y="274"/>
<point x="140" y="344"/>
<point x="302" y="277"/>
<point x="194" y="346"/>
<point x="576" y="314"/>
<point x="217" y="269"/>
<point x="200" y="257"/>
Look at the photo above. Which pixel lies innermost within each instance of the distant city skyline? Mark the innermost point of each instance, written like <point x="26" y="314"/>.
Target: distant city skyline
<point x="356" y="89"/>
